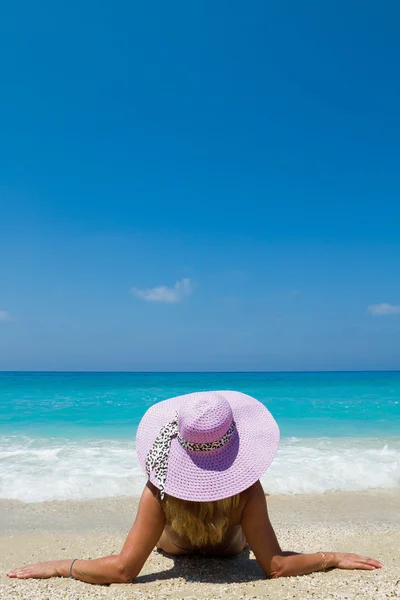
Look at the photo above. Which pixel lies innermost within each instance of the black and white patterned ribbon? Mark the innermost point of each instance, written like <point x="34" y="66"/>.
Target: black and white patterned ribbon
<point x="157" y="458"/>
<point x="208" y="446"/>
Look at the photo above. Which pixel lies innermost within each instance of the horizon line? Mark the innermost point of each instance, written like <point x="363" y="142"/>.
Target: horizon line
<point x="188" y="372"/>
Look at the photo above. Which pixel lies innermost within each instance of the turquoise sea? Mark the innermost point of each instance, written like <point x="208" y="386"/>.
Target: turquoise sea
<point x="72" y="435"/>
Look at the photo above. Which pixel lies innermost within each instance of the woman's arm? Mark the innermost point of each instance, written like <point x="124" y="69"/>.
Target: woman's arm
<point x="121" y="568"/>
<point x="274" y="562"/>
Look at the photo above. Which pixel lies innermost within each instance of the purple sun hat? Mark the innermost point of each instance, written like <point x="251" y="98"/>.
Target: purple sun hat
<point x="206" y="446"/>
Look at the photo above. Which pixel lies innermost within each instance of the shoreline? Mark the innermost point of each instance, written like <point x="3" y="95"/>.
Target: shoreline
<point x="118" y="512"/>
<point x="363" y="522"/>
<point x="56" y="468"/>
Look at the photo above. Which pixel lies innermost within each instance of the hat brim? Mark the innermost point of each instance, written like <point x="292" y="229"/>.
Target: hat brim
<point x="209" y="476"/>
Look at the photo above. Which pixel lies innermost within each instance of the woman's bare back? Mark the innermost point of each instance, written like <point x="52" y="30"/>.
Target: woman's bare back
<point x="233" y="542"/>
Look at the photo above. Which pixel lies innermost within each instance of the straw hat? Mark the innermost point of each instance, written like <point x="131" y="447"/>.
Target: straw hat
<point x="206" y="446"/>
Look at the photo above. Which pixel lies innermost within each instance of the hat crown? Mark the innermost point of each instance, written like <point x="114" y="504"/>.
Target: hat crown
<point x="204" y="418"/>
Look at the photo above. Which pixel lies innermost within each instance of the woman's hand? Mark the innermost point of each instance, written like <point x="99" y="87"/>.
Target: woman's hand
<point x="354" y="561"/>
<point x="41" y="570"/>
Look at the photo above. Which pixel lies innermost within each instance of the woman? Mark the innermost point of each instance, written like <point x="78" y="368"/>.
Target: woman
<point x="204" y="454"/>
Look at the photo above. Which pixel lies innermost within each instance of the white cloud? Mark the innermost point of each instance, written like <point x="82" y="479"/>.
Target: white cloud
<point x="166" y="294"/>
<point x="5" y="316"/>
<point x="380" y="310"/>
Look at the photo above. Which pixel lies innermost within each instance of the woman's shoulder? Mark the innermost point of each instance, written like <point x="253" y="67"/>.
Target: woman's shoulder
<point x="254" y="490"/>
<point x="153" y="489"/>
<point x="248" y="494"/>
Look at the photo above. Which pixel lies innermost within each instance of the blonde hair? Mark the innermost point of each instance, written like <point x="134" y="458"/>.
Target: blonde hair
<point x="202" y="523"/>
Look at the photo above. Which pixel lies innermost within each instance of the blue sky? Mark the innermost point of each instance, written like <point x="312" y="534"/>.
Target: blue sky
<point x="199" y="186"/>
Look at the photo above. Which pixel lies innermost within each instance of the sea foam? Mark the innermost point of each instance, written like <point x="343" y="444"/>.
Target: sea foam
<point x="40" y="469"/>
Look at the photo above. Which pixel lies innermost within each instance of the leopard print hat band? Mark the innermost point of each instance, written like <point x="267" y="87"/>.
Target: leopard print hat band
<point x="157" y="458"/>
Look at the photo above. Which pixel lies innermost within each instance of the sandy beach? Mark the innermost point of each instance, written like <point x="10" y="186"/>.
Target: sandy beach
<point x="363" y="522"/>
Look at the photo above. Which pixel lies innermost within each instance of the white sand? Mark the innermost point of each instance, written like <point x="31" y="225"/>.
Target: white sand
<point x="363" y="522"/>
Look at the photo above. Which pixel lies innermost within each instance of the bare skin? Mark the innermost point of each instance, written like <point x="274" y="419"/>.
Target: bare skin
<point x="233" y="543"/>
<point x="249" y="524"/>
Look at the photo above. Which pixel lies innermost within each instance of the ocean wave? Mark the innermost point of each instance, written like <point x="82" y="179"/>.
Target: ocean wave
<point x="40" y="469"/>
<point x="322" y="465"/>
